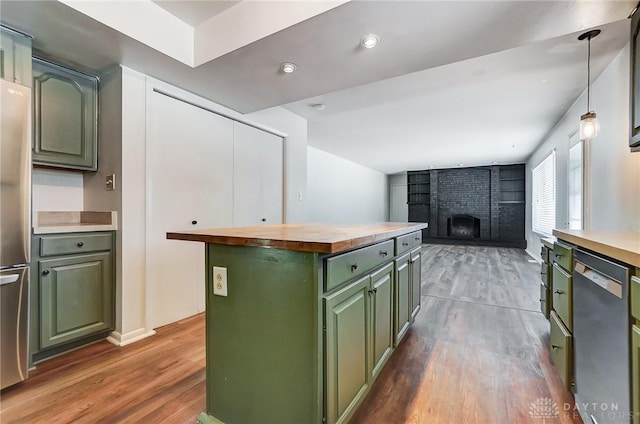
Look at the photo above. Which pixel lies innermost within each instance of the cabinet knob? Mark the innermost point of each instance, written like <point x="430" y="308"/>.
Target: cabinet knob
<point x="373" y="291"/>
<point x="417" y="238"/>
<point x="264" y="219"/>
<point x="80" y="244"/>
<point x="558" y="292"/>
<point x="194" y="222"/>
<point x="404" y="243"/>
<point x="45" y="272"/>
<point x="383" y="253"/>
<point x="555" y="347"/>
<point x="354" y="267"/>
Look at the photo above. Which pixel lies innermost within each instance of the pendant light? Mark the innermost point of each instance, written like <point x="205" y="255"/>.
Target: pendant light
<point x="588" y="122"/>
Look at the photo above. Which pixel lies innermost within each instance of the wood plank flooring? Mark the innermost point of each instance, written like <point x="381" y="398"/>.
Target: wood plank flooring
<point x="479" y="349"/>
<point x="477" y="353"/>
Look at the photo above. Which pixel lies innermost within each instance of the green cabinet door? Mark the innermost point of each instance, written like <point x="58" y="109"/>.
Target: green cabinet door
<point x="65" y="107"/>
<point x="347" y="350"/>
<point x="402" y="297"/>
<point x="15" y="57"/>
<point x="416" y="281"/>
<point x="635" y="373"/>
<point x="76" y="297"/>
<point x="381" y="295"/>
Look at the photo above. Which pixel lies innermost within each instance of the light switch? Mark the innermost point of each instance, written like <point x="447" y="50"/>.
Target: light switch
<point x="110" y="182"/>
<point x="220" y="281"/>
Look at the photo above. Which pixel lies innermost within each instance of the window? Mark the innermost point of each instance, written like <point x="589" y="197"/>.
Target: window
<point x="576" y="186"/>
<point x="544" y="196"/>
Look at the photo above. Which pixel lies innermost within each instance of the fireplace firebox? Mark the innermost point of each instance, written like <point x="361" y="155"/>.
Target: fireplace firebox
<point x="463" y="226"/>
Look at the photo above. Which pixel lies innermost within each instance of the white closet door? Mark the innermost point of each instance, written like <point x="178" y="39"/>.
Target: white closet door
<point x="189" y="179"/>
<point x="257" y="177"/>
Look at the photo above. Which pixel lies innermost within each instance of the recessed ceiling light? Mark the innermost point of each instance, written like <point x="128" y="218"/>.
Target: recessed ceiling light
<point x="461" y="164"/>
<point x="319" y="106"/>
<point x="288" y="67"/>
<point x="495" y="162"/>
<point x="369" y="41"/>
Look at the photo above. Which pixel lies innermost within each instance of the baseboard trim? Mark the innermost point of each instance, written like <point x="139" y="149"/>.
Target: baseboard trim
<point x="119" y="339"/>
<point x="538" y="258"/>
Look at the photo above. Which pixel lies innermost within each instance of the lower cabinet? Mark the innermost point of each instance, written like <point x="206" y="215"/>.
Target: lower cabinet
<point x="381" y="298"/>
<point x="635" y="373"/>
<point x="359" y="340"/>
<point x="416" y="281"/>
<point x="347" y="349"/>
<point x="407" y="293"/>
<point x="76" y="298"/>
<point x="72" y="292"/>
<point x="561" y="349"/>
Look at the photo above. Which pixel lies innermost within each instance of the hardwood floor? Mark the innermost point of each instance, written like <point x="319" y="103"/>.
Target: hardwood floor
<point x="479" y="349"/>
<point x="477" y="353"/>
<point x="160" y="379"/>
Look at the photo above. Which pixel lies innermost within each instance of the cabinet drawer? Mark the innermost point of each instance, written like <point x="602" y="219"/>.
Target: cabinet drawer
<point x="544" y="254"/>
<point x="545" y="297"/>
<point x="562" y="287"/>
<point x="563" y="256"/>
<point x="343" y="267"/>
<point x="561" y="349"/>
<point x="407" y="242"/>
<point x="635" y="297"/>
<point x="545" y="274"/>
<point x="74" y="243"/>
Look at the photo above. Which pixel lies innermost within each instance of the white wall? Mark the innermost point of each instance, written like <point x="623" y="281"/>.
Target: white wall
<point x="615" y="172"/>
<point x="55" y="190"/>
<point x="295" y="158"/>
<point x="339" y="190"/>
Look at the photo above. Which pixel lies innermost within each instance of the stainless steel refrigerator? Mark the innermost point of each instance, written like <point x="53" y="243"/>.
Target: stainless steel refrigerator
<point x="15" y="230"/>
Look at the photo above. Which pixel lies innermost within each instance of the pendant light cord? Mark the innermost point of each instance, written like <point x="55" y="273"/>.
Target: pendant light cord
<point x="589" y="75"/>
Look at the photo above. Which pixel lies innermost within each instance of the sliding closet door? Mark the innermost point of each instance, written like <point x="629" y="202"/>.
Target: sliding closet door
<point x="189" y="187"/>
<point x="258" y="177"/>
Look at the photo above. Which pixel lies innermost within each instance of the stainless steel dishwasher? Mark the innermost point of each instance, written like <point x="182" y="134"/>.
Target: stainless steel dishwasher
<point x="601" y="339"/>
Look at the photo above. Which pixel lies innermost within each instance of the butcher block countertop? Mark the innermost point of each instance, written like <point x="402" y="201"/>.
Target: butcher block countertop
<point x="623" y="246"/>
<point x="317" y="238"/>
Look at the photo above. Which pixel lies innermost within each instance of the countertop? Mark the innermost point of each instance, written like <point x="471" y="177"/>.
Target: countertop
<point x="548" y="242"/>
<point x="54" y="222"/>
<point x="317" y="238"/>
<point x="623" y="246"/>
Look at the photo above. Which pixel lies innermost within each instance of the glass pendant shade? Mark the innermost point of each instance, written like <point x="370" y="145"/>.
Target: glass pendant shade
<point x="588" y="126"/>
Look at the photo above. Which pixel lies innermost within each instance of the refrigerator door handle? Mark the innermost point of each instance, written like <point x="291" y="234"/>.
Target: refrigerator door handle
<point x="8" y="279"/>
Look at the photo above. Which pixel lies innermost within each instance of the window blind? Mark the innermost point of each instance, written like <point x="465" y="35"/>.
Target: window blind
<point x="544" y="196"/>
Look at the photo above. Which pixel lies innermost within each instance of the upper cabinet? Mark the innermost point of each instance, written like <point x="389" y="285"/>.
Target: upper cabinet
<point x="15" y="57"/>
<point x="65" y="106"/>
<point x="634" y="95"/>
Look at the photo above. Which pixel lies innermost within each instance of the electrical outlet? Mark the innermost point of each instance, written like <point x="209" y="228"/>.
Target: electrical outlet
<point x="220" y="281"/>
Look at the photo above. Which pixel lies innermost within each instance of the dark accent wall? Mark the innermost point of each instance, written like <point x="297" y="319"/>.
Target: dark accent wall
<point x="493" y="194"/>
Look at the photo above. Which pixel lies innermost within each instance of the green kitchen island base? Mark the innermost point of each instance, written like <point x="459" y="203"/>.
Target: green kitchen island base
<point x="310" y="315"/>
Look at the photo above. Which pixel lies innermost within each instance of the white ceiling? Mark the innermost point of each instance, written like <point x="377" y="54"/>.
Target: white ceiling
<point x="450" y="82"/>
<point x="195" y="12"/>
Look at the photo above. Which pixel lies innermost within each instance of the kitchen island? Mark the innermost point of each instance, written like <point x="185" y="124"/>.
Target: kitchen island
<point x="301" y="318"/>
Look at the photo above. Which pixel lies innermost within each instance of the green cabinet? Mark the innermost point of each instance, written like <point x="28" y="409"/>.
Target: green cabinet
<point x="76" y="297"/>
<point x="635" y="373"/>
<point x="72" y="291"/>
<point x="65" y="112"/>
<point x="407" y="291"/>
<point x="302" y="335"/>
<point x="381" y="295"/>
<point x="416" y="281"/>
<point x="15" y="56"/>
<point x="359" y="340"/>
<point x="347" y="349"/>
<point x="561" y="342"/>
<point x="402" y="296"/>
<point x="560" y="294"/>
